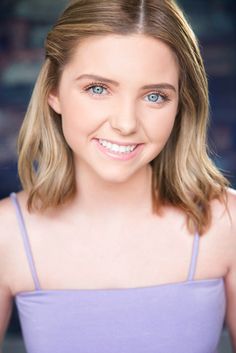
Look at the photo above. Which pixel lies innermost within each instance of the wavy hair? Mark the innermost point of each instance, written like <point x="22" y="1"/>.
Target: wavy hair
<point x="183" y="174"/>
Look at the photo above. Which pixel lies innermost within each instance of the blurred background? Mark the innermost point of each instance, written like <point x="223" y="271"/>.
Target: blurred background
<point x="24" y="25"/>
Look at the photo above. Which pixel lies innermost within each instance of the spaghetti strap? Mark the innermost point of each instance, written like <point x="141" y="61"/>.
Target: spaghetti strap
<point x="25" y="239"/>
<point x="193" y="263"/>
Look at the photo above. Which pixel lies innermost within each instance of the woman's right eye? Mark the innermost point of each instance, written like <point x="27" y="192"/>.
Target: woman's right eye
<point x="95" y="89"/>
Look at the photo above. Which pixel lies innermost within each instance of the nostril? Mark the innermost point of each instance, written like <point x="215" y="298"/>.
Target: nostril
<point x="124" y="125"/>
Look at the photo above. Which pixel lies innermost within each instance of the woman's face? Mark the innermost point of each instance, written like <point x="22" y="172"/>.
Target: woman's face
<point x="118" y="98"/>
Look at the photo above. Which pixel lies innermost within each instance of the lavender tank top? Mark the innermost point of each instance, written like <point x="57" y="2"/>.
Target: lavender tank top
<point x="182" y="317"/>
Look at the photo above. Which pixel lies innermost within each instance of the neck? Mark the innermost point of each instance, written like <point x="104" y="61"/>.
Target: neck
<point x="98" y="197"/>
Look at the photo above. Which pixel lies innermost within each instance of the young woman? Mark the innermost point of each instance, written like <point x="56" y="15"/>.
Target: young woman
<point x="123" y="239"/>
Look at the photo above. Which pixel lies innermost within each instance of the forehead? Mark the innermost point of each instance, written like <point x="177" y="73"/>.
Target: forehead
<point x="127" y="56"/>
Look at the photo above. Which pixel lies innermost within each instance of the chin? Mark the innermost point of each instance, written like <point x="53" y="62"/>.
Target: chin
<point x="115" y="178"/>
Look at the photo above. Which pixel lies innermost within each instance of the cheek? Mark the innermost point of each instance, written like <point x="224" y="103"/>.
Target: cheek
<point x="73" y="128"/>
<point x="78" y="122"/>
<point x="162" y="125"/>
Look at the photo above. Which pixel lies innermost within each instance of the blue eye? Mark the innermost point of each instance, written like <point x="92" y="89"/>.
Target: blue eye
<point x="154" y="97"/>
<point x="97" y="89"/>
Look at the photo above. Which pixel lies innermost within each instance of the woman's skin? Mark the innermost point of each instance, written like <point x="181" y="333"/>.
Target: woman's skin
<point x="107" y="236"/>
<point x="122" y="112"/>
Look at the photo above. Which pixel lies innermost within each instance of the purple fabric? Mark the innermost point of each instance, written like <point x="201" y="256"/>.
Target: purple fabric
<point x="183" y="317"/>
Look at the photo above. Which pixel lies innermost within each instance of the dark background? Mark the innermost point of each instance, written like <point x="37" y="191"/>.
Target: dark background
<point x="23" y="26"/>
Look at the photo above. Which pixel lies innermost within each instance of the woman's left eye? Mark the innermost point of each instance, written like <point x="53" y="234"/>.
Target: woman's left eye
<point x="157" y="97"/>
<point x="98" y="89"/>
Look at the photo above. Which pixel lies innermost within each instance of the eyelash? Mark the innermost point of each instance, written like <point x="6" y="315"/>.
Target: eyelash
<point x="164" y="96"/>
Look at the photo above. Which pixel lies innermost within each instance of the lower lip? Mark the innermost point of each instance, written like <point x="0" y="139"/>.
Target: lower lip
<point x="120" y="156"/>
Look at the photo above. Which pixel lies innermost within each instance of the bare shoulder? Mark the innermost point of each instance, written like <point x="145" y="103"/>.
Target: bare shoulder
<point x="9" y="236"/>
<point x="6" y="224"/>
<point x="224" y="226"/>
<point x="230" y="278"/>
<point x="231" y="210"/>
<point x="223" y="213"/>
<point x="9" y="226"/>
<point x="231" y="200"/>
<point x="231" y="234"/>
<point x="220" y="238"/>
<point x="8" y="216"/>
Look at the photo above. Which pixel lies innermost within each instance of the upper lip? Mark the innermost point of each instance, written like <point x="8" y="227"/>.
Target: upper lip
<point x="119" y="142"/>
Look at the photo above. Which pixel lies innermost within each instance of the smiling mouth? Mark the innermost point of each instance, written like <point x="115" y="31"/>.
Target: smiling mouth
<point x="117" y="148"/>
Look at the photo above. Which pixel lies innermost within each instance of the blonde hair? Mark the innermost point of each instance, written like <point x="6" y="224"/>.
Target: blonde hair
<point x="183" y="174"/>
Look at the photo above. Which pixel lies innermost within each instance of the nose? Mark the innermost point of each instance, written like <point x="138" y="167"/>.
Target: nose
<point x="124" y="118"/>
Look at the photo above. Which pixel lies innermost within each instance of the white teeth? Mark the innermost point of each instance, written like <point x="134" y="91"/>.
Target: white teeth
<point x="117" y="148"/>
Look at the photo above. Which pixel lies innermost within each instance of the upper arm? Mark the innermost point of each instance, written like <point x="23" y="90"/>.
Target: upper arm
<point x="230" y="284"/>
<point x="6" y="298"/>
<point x="230" y="279"/>
<point x="5" y="310"/>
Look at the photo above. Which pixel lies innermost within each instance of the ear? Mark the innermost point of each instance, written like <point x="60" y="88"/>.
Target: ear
<point x="54" y="102"/>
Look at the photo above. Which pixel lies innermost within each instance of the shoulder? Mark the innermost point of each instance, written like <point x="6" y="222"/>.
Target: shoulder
<point x="9" y="236"/>
<point x="231" y="204"/>
<point x="230" y="278"/>
<point x="231" y="234"/>
<point x="231" y="194"/>
<point x="223" y="212"/>
<point x="6" y="230"/>
<point x="8" y="215"/>
<point x="224" y="226"/>
<point x="7" y="220"/>
<point x="231" y="229"/>
<point x="221" y="236"/>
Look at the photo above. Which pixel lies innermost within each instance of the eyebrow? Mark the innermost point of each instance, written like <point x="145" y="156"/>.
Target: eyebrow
<point x="115" y="83"/>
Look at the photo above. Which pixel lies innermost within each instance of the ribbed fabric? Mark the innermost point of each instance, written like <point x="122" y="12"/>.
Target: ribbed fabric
<point x="183" y="317"/>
